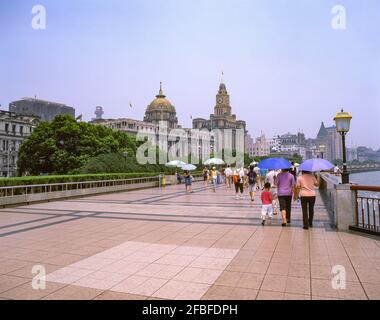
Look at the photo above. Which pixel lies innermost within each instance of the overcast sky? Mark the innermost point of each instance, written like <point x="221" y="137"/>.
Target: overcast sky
<point x="285" y="67"/>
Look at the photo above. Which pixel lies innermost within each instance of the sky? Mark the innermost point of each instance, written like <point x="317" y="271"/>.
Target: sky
<point x="285" y="67"/>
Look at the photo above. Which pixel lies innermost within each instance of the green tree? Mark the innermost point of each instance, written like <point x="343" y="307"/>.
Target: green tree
<point x="64" y="145"/>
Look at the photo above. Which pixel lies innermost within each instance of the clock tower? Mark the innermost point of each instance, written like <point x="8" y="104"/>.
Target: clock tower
<point x="222" y="107"/>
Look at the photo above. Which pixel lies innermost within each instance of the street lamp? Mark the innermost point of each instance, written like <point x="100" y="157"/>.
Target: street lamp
<point x="342" y="121"/>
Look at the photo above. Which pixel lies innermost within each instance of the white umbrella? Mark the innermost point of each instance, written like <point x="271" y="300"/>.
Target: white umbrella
<point x="214" y="161"/>
<point x="253" y="163"/>
<point x="175" y="164"/>
<point x="188" y="167"/>
<point x="296" y="164"/>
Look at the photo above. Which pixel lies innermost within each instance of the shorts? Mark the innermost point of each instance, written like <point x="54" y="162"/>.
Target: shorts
<point x="187" y="181"/>
<point x="252" y="187"/>
<point x="267" y="210"/>
<point x="285" y="202"/>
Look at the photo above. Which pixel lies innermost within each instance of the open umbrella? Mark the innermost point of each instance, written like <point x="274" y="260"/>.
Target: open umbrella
<point x="313" y="165"/>
<point x="253" y="163"/>
<point x="188" y="167"/>
<point x="175" y="164"/>
<point x="214" y="161"/>
<point x="275" y="164"/>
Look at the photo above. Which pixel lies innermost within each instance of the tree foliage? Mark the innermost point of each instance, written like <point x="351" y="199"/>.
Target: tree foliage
<point x="65" y="145"/>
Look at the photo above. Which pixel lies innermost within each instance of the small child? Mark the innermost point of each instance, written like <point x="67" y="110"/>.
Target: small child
<point x="266" y="199"/>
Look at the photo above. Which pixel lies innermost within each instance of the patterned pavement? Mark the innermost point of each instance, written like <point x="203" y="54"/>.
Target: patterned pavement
<point x="165" y="244"/>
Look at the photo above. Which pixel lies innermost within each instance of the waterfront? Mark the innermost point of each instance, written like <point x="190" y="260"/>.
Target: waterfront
<point x="371" y="178"/>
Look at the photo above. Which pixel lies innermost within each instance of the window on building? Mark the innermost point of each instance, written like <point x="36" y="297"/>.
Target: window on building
<point x="22" y="130"/>
<point x="14" y="129"/>
<point x="6" y="127"/>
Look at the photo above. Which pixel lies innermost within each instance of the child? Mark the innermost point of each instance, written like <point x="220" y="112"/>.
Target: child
<point x="266" y="199"/>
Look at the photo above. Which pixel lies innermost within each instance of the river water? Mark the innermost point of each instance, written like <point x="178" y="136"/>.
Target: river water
<point x="371" y="178"/>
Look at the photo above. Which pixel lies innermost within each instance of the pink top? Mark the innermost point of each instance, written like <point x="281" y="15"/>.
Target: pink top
<point x="307" y="183"/>
<point x="266" y="197"/>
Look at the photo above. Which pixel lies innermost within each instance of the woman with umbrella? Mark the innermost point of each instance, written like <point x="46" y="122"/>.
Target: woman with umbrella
<point x="188" y="178"/>
<point x="306" y="185"/>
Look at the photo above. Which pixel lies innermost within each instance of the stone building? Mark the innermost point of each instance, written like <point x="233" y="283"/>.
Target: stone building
<point x="328" y="144"/>
<point x="161" y="109"/>
<point x="222" y="118"/>
<point x="261" y="147"/>
<point x="45" y="110"/>
<point x="14" y="129"/>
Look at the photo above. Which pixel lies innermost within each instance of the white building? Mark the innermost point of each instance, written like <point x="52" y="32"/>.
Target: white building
<point x="261" y="147"/>
<point x="14" y="129"/>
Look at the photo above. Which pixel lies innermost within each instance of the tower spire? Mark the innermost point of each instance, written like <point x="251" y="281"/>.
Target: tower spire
<point x="222" y="78"/>
<point x="160" y="93"/>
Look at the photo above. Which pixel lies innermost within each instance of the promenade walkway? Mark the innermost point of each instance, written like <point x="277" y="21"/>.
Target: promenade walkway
<point x="165" y="244"/>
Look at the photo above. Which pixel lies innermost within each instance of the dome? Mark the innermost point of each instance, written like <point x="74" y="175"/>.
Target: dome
<point x="161" y="103"/>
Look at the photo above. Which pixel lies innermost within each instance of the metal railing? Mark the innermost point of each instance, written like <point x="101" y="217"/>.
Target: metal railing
<point x="11" y="191"/>
<point x="367" y="208"/>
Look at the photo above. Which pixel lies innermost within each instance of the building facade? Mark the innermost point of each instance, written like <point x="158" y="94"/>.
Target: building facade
<point x="261" y="147"/>
<point x="45" y="110"/>
<point x="222" y="118"/>
<point x="328" y="144"/>
<point x="161" y="113"/>
<point x="14" y="129"/>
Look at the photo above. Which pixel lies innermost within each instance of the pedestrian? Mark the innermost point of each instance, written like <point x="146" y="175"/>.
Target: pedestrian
<point x="252" y="180"/>
<point x="285" y="187"/>
<point x="214" y="177"/>
<point x="306" y="184"/>
<point x="270" y="177"/>
<point x="263" y="173"/>
<point x="205" y="176"/>
<point x="238" y="176"/>
<point x="188" y="181"/>
<point x="258" y="183"/>
<point x="222" y="174"/>
<point x="228" y="173"/>
<point x="267" y="207"/>
<point x="293" y="170"/>
<point x="245" y="178"/>
<point x="179" y="179"/>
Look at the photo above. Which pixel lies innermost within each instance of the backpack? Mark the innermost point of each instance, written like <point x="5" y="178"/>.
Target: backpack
<point x="252" y="177"/>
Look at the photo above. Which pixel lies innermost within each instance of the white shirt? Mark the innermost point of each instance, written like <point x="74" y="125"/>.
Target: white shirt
<point x="228" y="172"/>
<point x="257" y="170"/>
<point x="270" y="177"/>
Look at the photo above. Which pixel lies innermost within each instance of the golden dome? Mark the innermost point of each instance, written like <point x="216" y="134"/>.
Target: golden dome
<point x="161" y="103"/>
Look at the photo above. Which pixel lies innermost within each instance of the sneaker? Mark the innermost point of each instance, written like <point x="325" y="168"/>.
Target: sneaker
<point x="236" y="197"/>
<point x="283" y="224"/>
<point x="263" y="222"/>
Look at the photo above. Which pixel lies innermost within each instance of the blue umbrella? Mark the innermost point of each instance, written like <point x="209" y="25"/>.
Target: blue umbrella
<point x="275" y="164"/>
<point x="313" y="165"/>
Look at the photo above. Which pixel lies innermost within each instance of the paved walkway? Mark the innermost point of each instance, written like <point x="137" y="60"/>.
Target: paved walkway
<point x="165" y="244"/>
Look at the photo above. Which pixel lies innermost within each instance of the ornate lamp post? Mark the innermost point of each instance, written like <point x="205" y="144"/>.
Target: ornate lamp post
<point x="342" y="121"/>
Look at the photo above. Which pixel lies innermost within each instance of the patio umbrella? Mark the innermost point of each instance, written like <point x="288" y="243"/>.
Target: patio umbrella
<point x="188" y="167"/>
<point x="313" y="165"/>
<point x="175" y="164"/>
<point x="275" y="164"/>
<point x="214" y="161"/>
